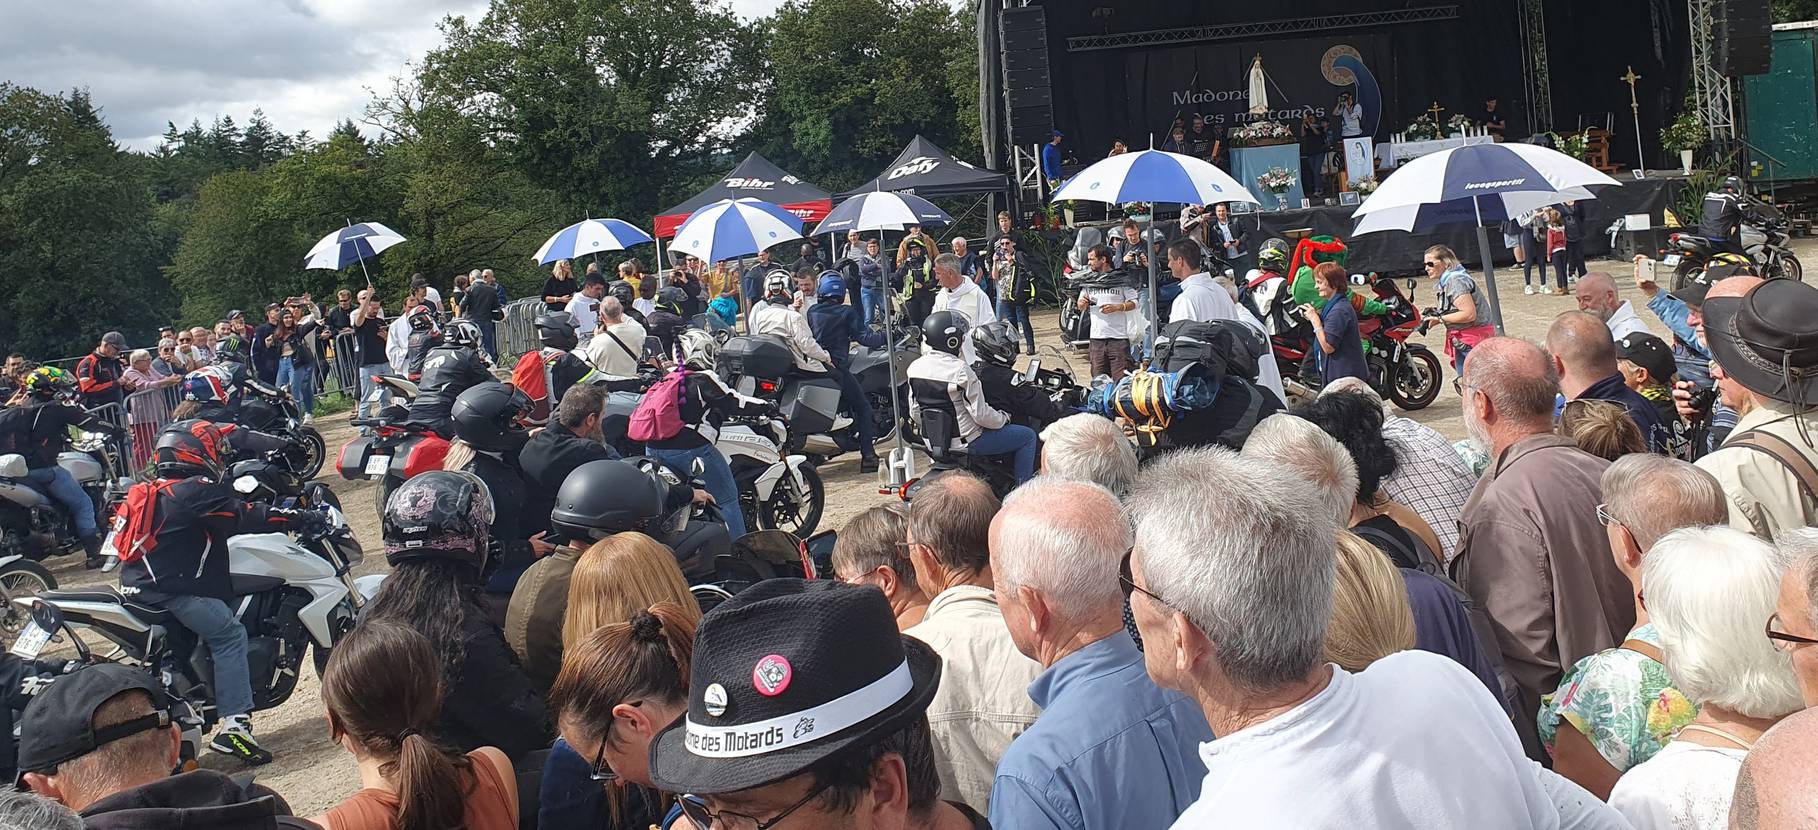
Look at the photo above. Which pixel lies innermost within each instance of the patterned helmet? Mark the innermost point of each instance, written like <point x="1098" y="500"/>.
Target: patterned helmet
<point x="777" y="285"/>
<point x="47" y="382"/>
<point x="1273" y="256"/>
<point x="206" y="385"/>
<point x="463" y="333"/>
<point x="996" y="343"/>
<point x="422" y="318"/>
<point x="440" y="514"/>
<point x="699" y="350"/>
<point x="190" y="448"/>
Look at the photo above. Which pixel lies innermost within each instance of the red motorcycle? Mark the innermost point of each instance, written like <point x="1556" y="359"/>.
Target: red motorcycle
<point x="1407" y="373"/>
<point x="393" y="451"/>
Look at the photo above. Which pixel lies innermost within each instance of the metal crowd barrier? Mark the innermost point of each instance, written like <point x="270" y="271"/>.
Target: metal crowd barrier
<point x="148" y="412"/>
<point x="518" y="333"/>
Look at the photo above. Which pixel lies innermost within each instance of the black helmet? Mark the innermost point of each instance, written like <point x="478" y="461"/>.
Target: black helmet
<point x="945" y="331"/>
<point x="439" y="514"/>
<point x="487" y="417"/>
<point x="463" y="332"/>
<point x="556" y="330"/>
<point x="996" y="343"/>
<point x="422" y="318"/>
<point x="672" y="299"/>
<point x="1731" y="184"/>
<point x="623" y="290"/>
<point x="190" y="448"/>
<point x="231" y="350"/>
<point x="600" y="498"/>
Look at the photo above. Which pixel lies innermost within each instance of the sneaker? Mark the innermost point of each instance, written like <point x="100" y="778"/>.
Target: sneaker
<point x="236" y="739"/>
<point x="868" y="465"/>
<point x="309" y="418"/>
<point x="1527" y="289"/>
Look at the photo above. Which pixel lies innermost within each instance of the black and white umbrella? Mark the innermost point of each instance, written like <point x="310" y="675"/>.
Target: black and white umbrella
<point x="354" y="243"/>
<point x="882" y="211"/>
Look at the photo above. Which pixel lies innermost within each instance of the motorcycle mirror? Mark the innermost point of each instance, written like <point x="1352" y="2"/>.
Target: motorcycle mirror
<point x="47" y="616"/>
<point x="246" y="485"/>
<point x="1412" y="286"/>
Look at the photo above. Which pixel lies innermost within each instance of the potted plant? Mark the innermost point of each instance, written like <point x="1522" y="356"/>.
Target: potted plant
<point x="1422" y="128"/>
<point x="1279" y="181"/>
<point x="1364" y="187"/>
<point x="1683" y="136"/>
<point x="1459" y="125"/>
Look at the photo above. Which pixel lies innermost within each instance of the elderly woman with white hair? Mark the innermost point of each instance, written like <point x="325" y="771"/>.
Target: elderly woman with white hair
<point x="1088" y="447"/>
<point x="1709" y="592"/>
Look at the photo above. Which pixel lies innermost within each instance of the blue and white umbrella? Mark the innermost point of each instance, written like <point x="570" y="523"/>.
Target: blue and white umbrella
<point x="591" y="236"/>
<point x="1153" y="176"/>
<point x="1480" y="185"/>
<point x="732" y="228"/>
<point x="882" y="211"/>
<point x="351" y="244"/>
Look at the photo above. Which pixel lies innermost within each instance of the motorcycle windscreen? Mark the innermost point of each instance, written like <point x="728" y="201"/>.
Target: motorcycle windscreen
<point x="764" y="554"/>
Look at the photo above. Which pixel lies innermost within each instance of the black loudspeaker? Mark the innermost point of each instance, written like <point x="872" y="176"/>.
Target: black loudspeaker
<point x="1028" y="93"/>
<point x="1745" y="37"/>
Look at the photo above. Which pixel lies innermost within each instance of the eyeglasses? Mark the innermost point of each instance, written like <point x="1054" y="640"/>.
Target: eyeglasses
<point x="1430" y="264"/>
<point x="601" y="770"/>
<point x="1125" y="576"/>
<point x="1791" y="640"/>
<point x="184" y="340"/>
<point x="1606" y="518"/>
<point x="697" y="811"/>
<point x="859" y="578"/>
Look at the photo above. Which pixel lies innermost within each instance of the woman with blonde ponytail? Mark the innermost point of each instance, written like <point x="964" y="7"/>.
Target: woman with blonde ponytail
<point x="383" y="690"/>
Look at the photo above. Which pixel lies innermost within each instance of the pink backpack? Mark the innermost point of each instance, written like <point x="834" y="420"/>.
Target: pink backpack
<point x="658" y="416"/>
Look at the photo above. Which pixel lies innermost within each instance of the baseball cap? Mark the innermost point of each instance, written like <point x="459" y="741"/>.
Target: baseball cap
<point x="1650" y="353"/>
<point x="1693" y="292"/>
<point x="115" y="339"/>
<point x="59" y="724"/>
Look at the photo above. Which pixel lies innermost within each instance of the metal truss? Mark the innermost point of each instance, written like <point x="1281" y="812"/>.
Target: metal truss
<point x="1710" y="89"/>
<point x="1028" y="167"/>
<point x="1265" y="28"/>
<point x="1533" y="19"/>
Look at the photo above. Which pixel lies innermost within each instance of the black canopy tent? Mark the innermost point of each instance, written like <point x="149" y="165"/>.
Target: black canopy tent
<point x="758" y="178"/>
<point x="931" y="173"/>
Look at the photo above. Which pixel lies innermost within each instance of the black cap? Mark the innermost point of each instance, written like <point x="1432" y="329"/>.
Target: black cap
<point x="1693" y="292"/>
<point x="115" y="339"/>
<point x="786" y="673"/>
<point x="1650" y="353"/>
<point x="1767" y="340"/>
<point x="59" y="724"/>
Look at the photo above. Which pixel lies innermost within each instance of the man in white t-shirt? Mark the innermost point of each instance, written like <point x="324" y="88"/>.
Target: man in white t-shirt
<point x="1233" y="596"/>
<point x="585" y="306"/>
<point x="1109" y="307"/>
<point x="1202" y="299"/>
<point x="963" y="297"/>
<point x="614" y="351"/>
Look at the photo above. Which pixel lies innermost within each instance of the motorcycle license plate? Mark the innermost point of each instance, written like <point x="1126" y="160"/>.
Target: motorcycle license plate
<point x="377" y="465"/>
<point x="1671" y="261"/>
<point x="31" y="640"/>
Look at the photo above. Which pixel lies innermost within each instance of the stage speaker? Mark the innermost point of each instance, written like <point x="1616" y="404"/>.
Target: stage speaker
<point x="1028" y="93"/>
<point x="1745" y="37"/>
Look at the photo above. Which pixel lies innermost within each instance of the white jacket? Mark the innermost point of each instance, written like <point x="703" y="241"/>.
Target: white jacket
<point x="963" y="388"/>
<point x="789" y="324"/>
<point x="968" y="301"/>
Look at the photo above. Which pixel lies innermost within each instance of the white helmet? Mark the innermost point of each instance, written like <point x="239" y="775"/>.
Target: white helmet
<point x="462" y="332"/>
<point x="777" y="283"/>
<point x="700" y="352"/>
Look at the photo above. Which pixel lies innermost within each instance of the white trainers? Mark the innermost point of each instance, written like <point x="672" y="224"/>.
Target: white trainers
<point x="309" y="418"/>
<point x="1527" y="289"/>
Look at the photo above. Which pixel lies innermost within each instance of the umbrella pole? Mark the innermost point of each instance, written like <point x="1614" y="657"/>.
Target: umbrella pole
<point x="1489" y="267"/>
<point x="367" y="273"/>
<point x="1154" y="293"/>
<point x="902" y="460"/>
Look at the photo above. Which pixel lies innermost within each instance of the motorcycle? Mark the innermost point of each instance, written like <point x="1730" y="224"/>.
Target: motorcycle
<point x="20" y="578"/>
<point x="937" y="430"/>
<point x="269" y="480"/>
<point x="275" y="413"/>
<point x="395" y="450"/>
<point x="760" y="555"/>
<point x="294" y="594"/>
<point x="35" y="526"/>
<point x="762" y="366"/>
<point x="1765" y="243"/>
<point x="696" y="533"/>
<point x="1409" y="374"/>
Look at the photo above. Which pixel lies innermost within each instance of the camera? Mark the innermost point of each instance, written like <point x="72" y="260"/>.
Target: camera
<point x="1703" y="400"/>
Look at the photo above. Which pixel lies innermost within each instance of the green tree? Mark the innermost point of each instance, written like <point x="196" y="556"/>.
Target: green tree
<point x="854" y="80"/>
<point x="613" y="104"/>
<point x="1794" y="11"/>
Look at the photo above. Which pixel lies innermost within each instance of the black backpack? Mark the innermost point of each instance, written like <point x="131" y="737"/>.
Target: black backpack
<point x="1224" y="347"/>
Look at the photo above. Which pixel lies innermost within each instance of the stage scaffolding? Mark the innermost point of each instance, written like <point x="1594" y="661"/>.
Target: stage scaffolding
<point x="1710" y="89"/>
<point x="1263" y="28"/>
<point x="1533" y="21"/>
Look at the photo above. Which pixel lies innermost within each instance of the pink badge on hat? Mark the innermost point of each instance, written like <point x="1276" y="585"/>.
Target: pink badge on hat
<point x="771" y="675"/>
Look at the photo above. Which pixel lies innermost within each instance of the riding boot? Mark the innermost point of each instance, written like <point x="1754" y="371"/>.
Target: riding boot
<point x="92" y="547"/>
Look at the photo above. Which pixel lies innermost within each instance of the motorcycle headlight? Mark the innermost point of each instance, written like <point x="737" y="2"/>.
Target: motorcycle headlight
<point x="246" y="485"/>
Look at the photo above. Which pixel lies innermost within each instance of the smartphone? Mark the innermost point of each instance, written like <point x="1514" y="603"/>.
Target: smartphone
<point x="1650" y="270"/>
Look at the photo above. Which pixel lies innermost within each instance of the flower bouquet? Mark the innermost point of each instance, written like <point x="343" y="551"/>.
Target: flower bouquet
<point x="1364" y="187"/>
<point x="1460" y="124"/>
<point x="1423" y="128"/>
<point x="1279" y="181"/>
<point x="1261" y="134"/>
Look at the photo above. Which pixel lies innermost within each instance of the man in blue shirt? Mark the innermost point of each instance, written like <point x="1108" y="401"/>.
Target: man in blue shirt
<point x="1584" y="355"/>
<point x="1051" y="160"/>
<point x="1111" y="749"/>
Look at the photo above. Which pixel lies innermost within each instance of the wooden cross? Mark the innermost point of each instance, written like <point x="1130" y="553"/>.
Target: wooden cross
<point x="1435" y="110"/>
<point x="1631" y="77"/>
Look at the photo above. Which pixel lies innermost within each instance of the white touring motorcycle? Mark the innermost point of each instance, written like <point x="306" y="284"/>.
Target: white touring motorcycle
<point x="292" y="594"/>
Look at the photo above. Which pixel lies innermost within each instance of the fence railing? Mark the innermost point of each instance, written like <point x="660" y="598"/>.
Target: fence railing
<point x="148" y="412"/>
<point x="518" y="333"/>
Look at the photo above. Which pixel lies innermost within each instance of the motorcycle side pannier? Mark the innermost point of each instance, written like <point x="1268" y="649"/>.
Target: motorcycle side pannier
<point x="763" y="357"/>
<point x="813" y="407"/>
<point x="352" y="462"/>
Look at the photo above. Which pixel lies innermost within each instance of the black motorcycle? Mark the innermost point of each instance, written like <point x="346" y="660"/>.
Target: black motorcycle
<point x="1765" y="243"/>
<point x="276" y="413"/>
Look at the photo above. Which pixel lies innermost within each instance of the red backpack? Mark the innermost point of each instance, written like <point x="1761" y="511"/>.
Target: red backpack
<point x="658" y="416"/>
<point x="134" y="532"/>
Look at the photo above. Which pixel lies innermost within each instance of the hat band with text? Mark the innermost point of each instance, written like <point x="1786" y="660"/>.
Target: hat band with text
<point x="797" y="728"/>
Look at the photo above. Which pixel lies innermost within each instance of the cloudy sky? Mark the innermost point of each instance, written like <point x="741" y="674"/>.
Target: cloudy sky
<point x="307" y="63"/>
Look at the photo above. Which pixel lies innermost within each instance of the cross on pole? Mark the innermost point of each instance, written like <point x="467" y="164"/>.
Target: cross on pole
<point x="1435" y="110"/>
<point x="1635" y="111"/>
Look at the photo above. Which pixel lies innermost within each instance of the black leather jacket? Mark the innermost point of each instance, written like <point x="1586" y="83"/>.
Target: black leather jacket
<point x="447" y="372"/>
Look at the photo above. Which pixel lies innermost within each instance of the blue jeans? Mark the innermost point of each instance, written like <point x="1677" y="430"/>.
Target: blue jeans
<point x="367" y="373"/>
<point x="488" y="331"/>
<point x="1014" y="313"/>
<point x="67" y="492"/>
<point x="1008" y="439"/>
<point x="716" y="475"/>
<point x="301" y="380"/>
<point x="873" y="299"/>
<point x="852" y="398"/>
<point x="1459" y="352"/>
<point x="211" y="620"/>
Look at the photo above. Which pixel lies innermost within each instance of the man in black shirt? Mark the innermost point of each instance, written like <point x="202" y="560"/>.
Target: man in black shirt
<point x="1493" y="120"/>
<point x="1314" y="134"/>
<point x="368" y="323"/>
<point x="573" y="437"/>
<point x="482" y="304"/>
<point x="39" y="430"/>
<point x="1199" y="139"/>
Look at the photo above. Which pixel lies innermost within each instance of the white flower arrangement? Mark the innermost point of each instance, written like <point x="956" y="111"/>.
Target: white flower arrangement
<point x="1276" y="180"/>
<point x="1261" y="133"/>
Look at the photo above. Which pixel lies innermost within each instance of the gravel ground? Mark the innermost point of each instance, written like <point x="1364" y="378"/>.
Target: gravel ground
<point x="314" y="774"/>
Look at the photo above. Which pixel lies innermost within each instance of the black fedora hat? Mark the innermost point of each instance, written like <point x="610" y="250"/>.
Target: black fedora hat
<point x="785" y="674"/>
<point x="1768" y="339"/>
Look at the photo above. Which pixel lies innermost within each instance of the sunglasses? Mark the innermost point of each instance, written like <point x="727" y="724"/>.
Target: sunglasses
<point x="1778" y="637"/>
<point x="1430" y="264"/>
<point x="696" y="810"/>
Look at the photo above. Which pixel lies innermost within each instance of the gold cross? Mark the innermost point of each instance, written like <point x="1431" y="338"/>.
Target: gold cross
<point x="1631" y="77"/>
<point x="1436" y="109"/>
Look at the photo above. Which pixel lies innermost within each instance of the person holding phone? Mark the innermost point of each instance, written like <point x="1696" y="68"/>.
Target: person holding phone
<point x="1350" y="116"/>
<point x="1335" y="325"/>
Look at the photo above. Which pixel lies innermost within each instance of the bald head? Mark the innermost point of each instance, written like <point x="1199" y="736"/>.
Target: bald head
<point x="1518" y="379"/>
<point x="1583" y="344"/>
<point x="1778" y="786"/>
<point x="1597" y="295"/>
<point x="1064" y="539"/>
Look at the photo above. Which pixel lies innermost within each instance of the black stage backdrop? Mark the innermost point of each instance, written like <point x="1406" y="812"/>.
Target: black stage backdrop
<point x="1397" y="71"/>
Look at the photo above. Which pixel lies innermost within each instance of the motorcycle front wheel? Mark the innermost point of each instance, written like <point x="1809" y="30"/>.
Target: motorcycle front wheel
<point x="1787" y="266"/>
<point x="1416" y="385"/>
<point x="1685" y="271"/>
<point x="793" y="510"/>
<point x="315" y="452"/>
<point x="18" y="579"/>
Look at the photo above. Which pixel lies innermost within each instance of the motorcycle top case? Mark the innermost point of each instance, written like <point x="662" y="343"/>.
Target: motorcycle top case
<point x="812" y="407"/>
<point x="352" y="462"/>
<point x="762" y="357"/>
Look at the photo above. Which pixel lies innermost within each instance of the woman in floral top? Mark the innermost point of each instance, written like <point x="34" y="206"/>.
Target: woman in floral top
<point x="1620" y="704"/>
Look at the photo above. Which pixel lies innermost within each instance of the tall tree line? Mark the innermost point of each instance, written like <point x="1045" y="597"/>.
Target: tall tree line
<point x="535" y="115"/>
